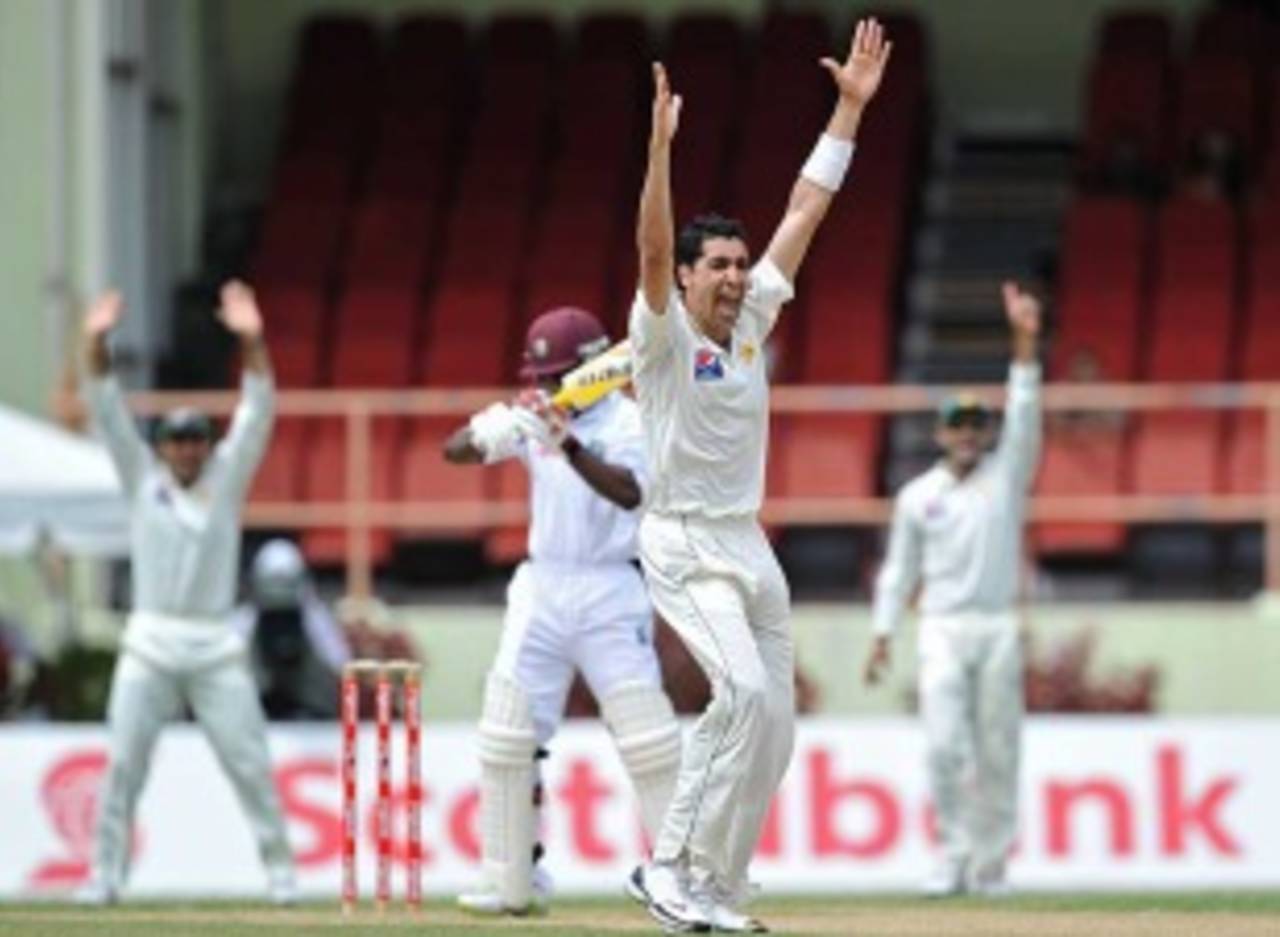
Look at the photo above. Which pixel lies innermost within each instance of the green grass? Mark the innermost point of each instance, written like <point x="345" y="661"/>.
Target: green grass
<point x="1220" y="914"/>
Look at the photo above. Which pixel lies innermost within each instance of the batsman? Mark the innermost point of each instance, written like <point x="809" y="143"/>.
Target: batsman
<point x="578" y="601"/>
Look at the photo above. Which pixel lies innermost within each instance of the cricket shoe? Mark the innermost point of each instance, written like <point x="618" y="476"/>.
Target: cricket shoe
<point x="96" y="894"/>
<point x="718" y="904"/>
<point x="994" y="890"/>
<point x="282" y="888"/>
<point x="989" y="881"/>
<point x="947" y="880"/>
<point x="657" y="886"/>
<point x="486" y="902"/>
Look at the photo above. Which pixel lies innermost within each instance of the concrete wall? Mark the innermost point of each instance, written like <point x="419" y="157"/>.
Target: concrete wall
<point x="27" y="353"/>
<point x="1213" y="658"/>
<point x="99" y="185"/>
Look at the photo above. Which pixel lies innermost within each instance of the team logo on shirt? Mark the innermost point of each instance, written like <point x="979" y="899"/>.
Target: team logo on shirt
<point x="747" y="353"/>
<point x="707" y="365"/>
<point x="934" y="510"/>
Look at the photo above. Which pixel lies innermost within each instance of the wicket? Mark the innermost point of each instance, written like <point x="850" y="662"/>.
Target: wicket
<point x="410" y="677"/>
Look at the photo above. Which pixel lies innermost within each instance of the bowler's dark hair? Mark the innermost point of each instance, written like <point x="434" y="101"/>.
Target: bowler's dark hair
<point x="702" y="228"/>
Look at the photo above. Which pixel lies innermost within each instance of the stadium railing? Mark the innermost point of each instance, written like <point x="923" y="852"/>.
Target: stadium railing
<point x="360" y="514"/>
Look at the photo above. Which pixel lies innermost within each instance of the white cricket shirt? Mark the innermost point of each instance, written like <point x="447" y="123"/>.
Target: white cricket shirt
<point x="569" y="522"/>
<point x="185" y="542"/>
<point x="964" y="536"/>
<point x="705" y="408"/>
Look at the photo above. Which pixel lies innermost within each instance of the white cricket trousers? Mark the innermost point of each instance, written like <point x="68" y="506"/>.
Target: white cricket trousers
<point x="718" y="584"/>
<point x="971" y="698"/>
<point x="147" y="691"/>
<point x="566" y="616"/>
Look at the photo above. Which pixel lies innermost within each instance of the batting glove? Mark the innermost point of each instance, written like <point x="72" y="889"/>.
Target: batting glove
<point x="541" y="422"/>
<point x="494" y="431"/>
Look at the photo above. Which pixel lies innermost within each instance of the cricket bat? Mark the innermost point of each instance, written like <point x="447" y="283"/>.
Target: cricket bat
<point x="588" y="382"/>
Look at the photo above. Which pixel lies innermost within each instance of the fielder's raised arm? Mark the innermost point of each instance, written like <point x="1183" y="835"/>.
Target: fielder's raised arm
<point x="250" y="430"/>
<point x="655" y="224"/>
<point x="857" y="80"/>
<point x="1023" y="424"/>
<point x="107" y="407"/>
<point x="239" y="312"/>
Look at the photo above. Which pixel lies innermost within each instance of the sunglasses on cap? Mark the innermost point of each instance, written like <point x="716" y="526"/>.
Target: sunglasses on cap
<point x="965" y="410"/>
<point x="184" y="426"/>
<point x="978" y="419"/>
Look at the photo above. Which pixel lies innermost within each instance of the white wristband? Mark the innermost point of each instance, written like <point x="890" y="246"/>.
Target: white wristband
<point x="828" y="162"/>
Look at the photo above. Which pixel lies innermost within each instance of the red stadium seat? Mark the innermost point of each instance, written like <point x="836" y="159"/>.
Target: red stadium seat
<point x="1104" y="266"/>
<point x="1126" y="114"/>
<point x="521" y="37"/>
<point x="1135" y="34"/>
<point x="1177" y="453"/>
<point x="426" y="53"/>
<point x="326" y="448"/>
<point x="299" y="244"/>
<point x="1246" y="461"/>
<point x="292" y="310"/>
<point x="297" y="318"/>
<point x="706" y="35"/>
<point x="425" y="476"/>
<point x="468" y="329"/>
<point x="1236" y="32"/>
<point x="1081" y="460"/>
<point x="1261" y="346"/>
<point x="345" y="39"/>
<point x="372" y="311"/>
<point x="1219" y="99"/>
<point x="325" y="479"/>
<point x="296" y="362"/>
<point x="312" y="177"/>
<point x="847" y="336"/>
<point x="389" y="244"/>
<point x="279" y="477"/>
<point x="612" y="36"/>
<point x="803" y="35"/>
<point x="1193" y="315"/>
<point x="373" y="361"/>
<point x="829" y="456"/>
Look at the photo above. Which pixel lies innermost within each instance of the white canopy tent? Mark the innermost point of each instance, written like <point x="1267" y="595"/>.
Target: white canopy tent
<point x="56" y="485"/>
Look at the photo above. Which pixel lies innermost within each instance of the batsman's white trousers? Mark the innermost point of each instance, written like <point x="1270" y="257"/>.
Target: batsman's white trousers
<point x="561" y="617"/>
<point x="971" y="701"/>
<point x="168" y="662"/>
<point x="718" y="584"/>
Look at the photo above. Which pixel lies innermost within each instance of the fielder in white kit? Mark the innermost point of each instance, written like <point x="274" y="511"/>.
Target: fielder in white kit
<point x="578" y="602"/>
<point x="179" y="647"/>
<point x="957" y="531"/>
<point x="699" y="375"/>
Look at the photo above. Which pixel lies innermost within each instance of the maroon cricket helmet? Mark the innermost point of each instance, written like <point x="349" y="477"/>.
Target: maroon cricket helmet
<point x="560" y="340"/>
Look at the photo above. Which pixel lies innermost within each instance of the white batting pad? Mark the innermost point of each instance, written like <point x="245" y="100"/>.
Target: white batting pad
<point x="648" y="738"/>
<point x="508" y="820"/>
